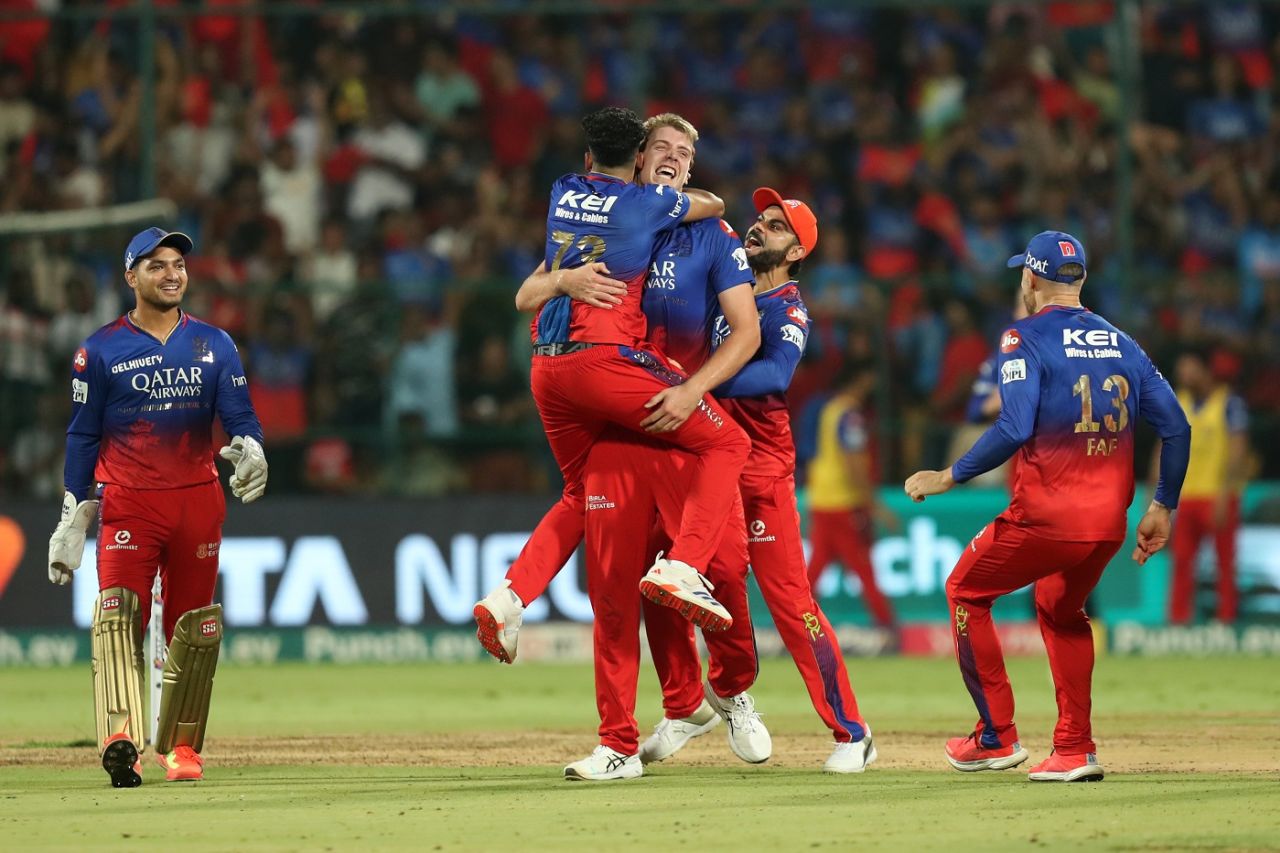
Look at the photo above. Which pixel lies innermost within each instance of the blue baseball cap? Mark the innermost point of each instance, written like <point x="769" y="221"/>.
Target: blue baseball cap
<point x="146" y="242"/>
<point x="1046" y="254"/>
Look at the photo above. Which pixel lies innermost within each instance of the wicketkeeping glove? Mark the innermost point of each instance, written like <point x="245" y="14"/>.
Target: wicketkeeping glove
<point x="66" y="545"/>
<point x="250" y="478"/>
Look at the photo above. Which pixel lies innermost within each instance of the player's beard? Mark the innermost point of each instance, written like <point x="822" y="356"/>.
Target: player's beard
<point x="767" y="259"/>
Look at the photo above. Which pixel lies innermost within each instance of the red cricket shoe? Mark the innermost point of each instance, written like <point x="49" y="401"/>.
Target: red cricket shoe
<point x="184" y="764"/>
<point x="1062" y="767"/>
<point x="968" y="755"/>
<point x="120" y="760"/>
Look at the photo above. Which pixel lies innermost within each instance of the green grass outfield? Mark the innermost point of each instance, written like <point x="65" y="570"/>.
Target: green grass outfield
<point x="377" y="757"/>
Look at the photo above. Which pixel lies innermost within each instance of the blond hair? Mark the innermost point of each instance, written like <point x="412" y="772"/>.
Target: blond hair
<point x="678" y="122"/>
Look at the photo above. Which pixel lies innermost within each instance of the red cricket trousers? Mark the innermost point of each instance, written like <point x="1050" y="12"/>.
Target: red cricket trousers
<point x="581" y="393"/>
<point x="845" y="535"/>
<point x="1002" y="558"/>
<point x="777" y="561"/>
<point x="177" y="532"/>
<point x="635" y="489"/>
<point x="1194" y="522"/>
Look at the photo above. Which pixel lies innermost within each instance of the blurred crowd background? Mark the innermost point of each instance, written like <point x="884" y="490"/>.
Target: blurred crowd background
<point x="367" y="191"/>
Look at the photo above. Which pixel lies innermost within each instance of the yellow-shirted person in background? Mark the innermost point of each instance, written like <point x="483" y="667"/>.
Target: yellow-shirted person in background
<point x="1215" y="478"/>
<point x="842" y="489"/>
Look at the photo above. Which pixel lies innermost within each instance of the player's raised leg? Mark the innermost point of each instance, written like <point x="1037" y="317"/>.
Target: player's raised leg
<point x="571" y="436"/>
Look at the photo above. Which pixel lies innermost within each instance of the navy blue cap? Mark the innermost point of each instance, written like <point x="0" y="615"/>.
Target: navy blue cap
<point x="1046" y="254"/>
<point x="146" y="242"/>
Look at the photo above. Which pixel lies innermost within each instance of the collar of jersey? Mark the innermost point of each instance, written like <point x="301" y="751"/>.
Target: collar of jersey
<point x="773" y="290"/>
<point x="601" y="176"/>
<point x="1049" y="308"/>
<point x="182" y="318"/>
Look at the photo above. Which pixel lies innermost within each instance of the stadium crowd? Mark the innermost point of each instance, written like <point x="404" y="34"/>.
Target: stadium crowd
<point x="366" y="193"/>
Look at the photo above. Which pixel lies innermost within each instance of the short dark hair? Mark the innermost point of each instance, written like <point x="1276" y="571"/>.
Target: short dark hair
<point x="1076" y="271"/>
<point x="614" y="135"/>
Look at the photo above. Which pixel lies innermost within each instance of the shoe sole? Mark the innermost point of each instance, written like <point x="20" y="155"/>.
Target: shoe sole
<point x="1088" y="773"/>
<point x="118" y="760"/>
<point x="1002" y="763"/>
<point x="487" y="630"/>
<point x="698" y="732"/>
<point x="571" y="775"/>
<point x="871" y="757"/>
<point x="695" y="612"/>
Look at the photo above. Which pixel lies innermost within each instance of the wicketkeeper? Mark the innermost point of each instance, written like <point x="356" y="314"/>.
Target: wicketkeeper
<point x="145" y="389"/>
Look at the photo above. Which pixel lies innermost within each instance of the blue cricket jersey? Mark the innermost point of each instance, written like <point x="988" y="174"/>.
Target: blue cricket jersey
<point x="692" y="265"/>
<point x="1072" y="386"/>
<point x="598" y="217"/>
<point x="142" y="410"/>
<point x="756" y="395"/>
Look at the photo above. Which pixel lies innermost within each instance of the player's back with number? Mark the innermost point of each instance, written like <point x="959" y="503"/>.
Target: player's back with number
<point x="597" y="217"/>
<point x="1076" y="385"/>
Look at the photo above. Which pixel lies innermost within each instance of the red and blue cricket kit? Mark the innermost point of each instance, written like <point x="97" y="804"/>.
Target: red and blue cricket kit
<point x="755" y="398"/>
<point x="592" y="367"/>
<point x="142" y="430"/>
<point x="1073" y="387"/>
<point x="637" y="487"/>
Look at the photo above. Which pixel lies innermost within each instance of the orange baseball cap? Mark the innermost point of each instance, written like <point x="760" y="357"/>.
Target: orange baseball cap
<point x="796" y="212"/>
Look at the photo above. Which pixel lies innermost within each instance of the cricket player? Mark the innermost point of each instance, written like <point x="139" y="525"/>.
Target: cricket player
<point x="1072" y="386"/>
<point x="783" y="235"/>
<point x="145" y="390"/>
<point x="593" y="367"/>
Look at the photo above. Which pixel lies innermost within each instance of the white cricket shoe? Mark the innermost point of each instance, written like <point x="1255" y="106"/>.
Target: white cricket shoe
<point x="748" y="737"/>
<point x="676" y="584"/>
<point x="853" y="757"/>
<point x="604" y="764"/>
<point x="669" y="736"/>
<point x="498" y="616"/>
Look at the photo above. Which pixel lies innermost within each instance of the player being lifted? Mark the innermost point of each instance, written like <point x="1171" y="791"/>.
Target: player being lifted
<point x="145" y="390"/>
<point x="593" y="367"/>
<point x="1071" y="385"/>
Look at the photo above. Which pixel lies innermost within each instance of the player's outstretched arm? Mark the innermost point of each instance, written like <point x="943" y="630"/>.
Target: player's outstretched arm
<point x="703" y="205"/>
<point x="589" y="283"/>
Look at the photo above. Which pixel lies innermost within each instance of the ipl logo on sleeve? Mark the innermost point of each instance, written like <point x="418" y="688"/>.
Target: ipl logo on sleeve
<point x="1013" y="370"/>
